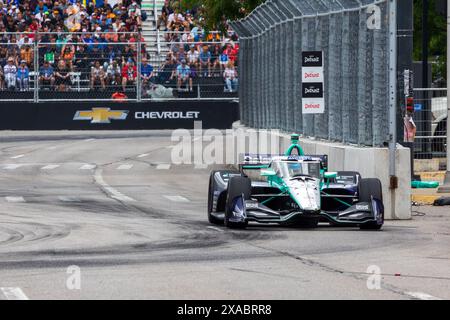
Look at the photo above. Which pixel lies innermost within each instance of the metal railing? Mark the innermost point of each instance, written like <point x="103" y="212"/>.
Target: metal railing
<point x="430" y="118"/>
<point x="81" y="67"/>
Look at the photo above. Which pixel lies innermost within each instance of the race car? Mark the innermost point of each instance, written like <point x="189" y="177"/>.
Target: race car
<point x="293" y="189"/>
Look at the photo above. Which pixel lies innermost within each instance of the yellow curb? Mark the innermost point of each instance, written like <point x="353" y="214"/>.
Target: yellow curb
<point x="427" y="176"/>
<point x="424" y="199"/>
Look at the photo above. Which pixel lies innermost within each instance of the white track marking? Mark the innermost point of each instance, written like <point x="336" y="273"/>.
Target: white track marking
<point x="422" y="296"/>
<point x="13" y="294"/>
<point x="18" y="156"/>
<point x="143" y="155"/>
<point x="89" y="140"/>
<point x="201" y="166"/>
<point x="12" y="166"/>
<point x="177" y="198"/>
<point x="52" y="148"/>
<point x="113" y="193"/>
<point x="51" y="167"/>
<point x="125" y="167"/>
<point x="163" y="166"/>
<point x="88" y="167"/>
<point x="215" y="229"/>
<point x="15" y="199"/>
<point x="69" y="199"/>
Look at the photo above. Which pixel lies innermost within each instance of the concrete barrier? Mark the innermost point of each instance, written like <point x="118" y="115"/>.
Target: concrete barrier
<point x="370" y="162"/>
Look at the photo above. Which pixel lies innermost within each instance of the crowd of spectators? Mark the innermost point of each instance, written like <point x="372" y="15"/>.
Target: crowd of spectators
<point x="93" y="38"/>
<point x="195" y="53"/>
<point x="96" y="42"/>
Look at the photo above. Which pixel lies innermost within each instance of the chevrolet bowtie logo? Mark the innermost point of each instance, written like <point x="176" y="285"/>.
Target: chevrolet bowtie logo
<point x="101" y="115"/>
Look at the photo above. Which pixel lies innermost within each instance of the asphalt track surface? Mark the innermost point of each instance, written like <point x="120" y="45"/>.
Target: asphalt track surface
<point x="112" y="205"/>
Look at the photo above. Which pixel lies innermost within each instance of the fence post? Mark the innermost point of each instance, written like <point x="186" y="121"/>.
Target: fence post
<point x="138" y="69"/>
<point x="36" y="68"/>
<point x="446" y="187"/>
<point x="392" y="5"/>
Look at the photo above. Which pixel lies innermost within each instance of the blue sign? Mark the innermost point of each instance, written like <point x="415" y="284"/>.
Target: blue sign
<point x="418" y="107"/>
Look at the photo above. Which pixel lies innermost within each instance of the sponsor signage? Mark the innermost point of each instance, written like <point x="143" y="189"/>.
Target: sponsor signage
<point x="101" y="115"/>
<point x="118" y="115"/>
<point x="166" y="115"/>
<point x="312" y="82"/>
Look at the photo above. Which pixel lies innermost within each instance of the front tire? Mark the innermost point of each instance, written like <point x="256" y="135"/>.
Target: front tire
<point x="367" y="189"/>
<point x="237" y="187"/>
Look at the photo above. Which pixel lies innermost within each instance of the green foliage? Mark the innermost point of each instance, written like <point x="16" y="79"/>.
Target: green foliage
<point x="437" y="29"/>
<point x="218" y="11"/>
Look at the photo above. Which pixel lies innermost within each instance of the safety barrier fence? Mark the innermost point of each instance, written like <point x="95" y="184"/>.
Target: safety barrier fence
<point x="354" y="38"/>
<point x="430" y="119"/>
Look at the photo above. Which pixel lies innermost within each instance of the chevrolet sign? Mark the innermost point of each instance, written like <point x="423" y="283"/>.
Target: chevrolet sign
<point x="101" y="115"/>
<point x="167" y="115"/>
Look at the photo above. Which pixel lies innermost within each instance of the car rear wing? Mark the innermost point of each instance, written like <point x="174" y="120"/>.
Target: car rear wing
<point x="250" y="161"/>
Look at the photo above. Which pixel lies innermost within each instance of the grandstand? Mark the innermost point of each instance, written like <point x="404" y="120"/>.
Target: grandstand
<point x="84" y="50"/>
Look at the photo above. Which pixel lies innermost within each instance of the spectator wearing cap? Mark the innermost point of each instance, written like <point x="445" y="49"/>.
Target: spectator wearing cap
<point x="193" y="57"/>
<point x="146" y="74"/>
<point x="205" y="61"/>
<point x="168" y="70"/>
<point x="10" y="74"/>
<point x="184" y="76"/>
<point x="23" y="76"/>
<point x="46" y="75"/>
<point x="87" y="40"/>
<point x="129" y="74"/>
<point x="113" y="74"/>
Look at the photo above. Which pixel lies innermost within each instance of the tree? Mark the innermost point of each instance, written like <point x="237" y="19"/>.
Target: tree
<point x="437" y="30"/>
<point x="216" y="12"/>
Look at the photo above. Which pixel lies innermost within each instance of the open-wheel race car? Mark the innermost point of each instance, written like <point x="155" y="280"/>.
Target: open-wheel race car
<point x="293" y="189"/>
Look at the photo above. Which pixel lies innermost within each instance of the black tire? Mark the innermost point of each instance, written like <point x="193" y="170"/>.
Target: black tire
<point x="237" y="186"/>
<point x="211" y="218"/>
<point x="367" y="189"/>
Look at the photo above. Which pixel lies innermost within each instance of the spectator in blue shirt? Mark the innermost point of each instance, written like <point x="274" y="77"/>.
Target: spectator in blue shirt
<point x="41" y="6"/>
<point x="146" y="74"/>
<point x="184" y="76"/>
<point x="46" y="75"/>
<point x="223" y="60"/>
<point x="205" y="61"/>
<point x="86" y="38"/>
<point x="23" y="76"/>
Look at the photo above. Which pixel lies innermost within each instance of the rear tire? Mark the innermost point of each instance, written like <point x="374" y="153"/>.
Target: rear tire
<point x="211" y="218"/>
<point x="367" y="189"/>
<point x="237" y="186"/>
